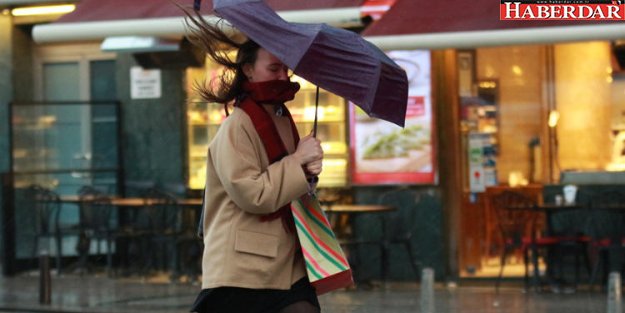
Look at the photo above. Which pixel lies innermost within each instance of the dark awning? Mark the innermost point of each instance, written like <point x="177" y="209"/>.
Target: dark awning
<point x="98" y="10"/>
<point x="97" y="19"/>
<point x="411" y="24"/>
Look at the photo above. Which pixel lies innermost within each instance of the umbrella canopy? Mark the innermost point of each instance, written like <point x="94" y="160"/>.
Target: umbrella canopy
<point x="334" y="59"/>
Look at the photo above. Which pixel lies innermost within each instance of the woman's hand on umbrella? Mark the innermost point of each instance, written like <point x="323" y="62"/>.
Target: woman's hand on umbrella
<point x="314" y="168"/>
<point x="308" y="150"/>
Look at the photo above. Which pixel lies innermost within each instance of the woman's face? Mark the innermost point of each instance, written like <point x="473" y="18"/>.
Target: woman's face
<point x="267" y="67"/>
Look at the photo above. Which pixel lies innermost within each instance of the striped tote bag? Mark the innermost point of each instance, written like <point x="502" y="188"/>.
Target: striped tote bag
<point x="326" y="265"/>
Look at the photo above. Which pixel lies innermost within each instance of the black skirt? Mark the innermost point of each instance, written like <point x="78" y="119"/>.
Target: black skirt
<point x="244" y="300"/>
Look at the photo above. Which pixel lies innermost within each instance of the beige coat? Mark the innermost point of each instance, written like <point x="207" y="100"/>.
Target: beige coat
<point x="239" y="249"/>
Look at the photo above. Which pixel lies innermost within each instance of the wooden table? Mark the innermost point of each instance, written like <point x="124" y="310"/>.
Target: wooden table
<point x="358" y="208"/>
<point x="137" y="202"/>
<point x="342" y="216"/>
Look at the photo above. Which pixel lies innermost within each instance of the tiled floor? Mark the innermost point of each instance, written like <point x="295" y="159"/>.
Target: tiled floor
<point x="99" y="294"/>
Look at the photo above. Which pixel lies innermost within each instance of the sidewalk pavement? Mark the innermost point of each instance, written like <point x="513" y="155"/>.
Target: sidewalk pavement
<point x="99" y="294"/>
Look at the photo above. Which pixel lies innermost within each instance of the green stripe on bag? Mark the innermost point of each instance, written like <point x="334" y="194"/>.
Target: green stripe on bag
<point x="327" y="237"/>
<point x="323" y="226"/>
<point x="311" y="269"/>
<point x="302" y="229"/>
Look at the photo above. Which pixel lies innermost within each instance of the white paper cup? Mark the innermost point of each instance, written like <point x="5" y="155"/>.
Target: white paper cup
<point x="570" y="191"/>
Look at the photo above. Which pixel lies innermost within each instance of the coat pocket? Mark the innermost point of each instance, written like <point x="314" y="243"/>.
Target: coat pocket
<point x="256" y="243"/>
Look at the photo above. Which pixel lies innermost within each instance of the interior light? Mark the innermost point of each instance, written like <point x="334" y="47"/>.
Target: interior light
<point x="554" y="117"/>
<point x="44" y="10"/>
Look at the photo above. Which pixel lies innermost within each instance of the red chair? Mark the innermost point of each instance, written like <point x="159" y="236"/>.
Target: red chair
<point x="517" y="218"/>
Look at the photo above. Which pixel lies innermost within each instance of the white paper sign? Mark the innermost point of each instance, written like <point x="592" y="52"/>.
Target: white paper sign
<point x="145" y="84"/>
<point x="476" y="179"/>
<point x="476" y="169"/>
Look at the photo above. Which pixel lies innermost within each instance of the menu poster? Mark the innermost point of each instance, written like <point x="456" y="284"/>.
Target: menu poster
<point x="384" y="153"/>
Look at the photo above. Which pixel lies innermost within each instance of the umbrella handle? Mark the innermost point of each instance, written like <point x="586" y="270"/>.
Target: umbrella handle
<point x="316" y="109"/>
<point x="312" y="180"/>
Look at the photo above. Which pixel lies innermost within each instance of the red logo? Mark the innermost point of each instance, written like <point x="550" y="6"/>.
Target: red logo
<point x="603" y="10"/>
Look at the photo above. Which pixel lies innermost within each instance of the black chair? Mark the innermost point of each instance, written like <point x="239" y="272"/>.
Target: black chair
<point x="48" y="221"/>
<point x="517" y="222"/>
<point x="189" y="246"/>
<point x="95" y="224"/>
<point x="171" y="230"/>
<point x="608" y="233"/>
<point x="131" y="234"/>
<point x="399" y="224"/>
<point x="569" y="227"/>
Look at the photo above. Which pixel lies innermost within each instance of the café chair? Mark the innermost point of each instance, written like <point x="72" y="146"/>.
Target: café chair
<point x="399" y="225"/>
<point x="132" y="238"/>
<point x="608" y="233"/>
<point x="95" y="225"/>
<point x="516" y="217"/>
<point x="170" y="231"/>
<point x="189" y="246"/>
<point x="48" y="222"/>
<point x="570" y="229"/>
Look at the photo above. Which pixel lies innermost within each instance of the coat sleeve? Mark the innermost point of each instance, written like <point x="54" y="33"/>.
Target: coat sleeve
<point x="237" y="163"/>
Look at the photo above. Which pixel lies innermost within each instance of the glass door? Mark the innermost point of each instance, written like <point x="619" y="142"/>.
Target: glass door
<point x="66" y="139"/>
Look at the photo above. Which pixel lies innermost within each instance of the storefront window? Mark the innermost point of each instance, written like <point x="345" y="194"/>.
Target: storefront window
<point x="532" y="116"/>
<point x="203" y="121"/>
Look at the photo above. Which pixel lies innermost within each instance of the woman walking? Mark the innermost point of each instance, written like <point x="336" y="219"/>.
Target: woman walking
<point x="257" y="165"/>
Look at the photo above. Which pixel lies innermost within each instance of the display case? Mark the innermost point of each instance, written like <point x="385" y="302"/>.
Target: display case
<point x="203" y="120"/>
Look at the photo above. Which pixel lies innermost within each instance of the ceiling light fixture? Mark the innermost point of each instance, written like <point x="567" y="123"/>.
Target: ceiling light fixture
<point x="43" y="10"/>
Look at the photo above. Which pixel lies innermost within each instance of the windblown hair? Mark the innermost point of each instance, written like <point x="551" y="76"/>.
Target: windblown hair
<point x="215" y="42"/>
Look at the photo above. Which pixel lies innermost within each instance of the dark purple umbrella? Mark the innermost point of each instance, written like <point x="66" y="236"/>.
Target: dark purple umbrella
<point x="334" y="59"/>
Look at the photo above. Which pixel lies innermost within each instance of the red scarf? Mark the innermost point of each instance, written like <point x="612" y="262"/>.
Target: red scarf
<point x="271" y="91"/>
<point x="275" y="92"/>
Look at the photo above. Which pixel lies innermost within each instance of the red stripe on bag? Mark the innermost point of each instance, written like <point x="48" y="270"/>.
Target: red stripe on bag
<point x="314" y="264"/>
<point x="338" y="257"/>
<point x="316" y="213"/>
